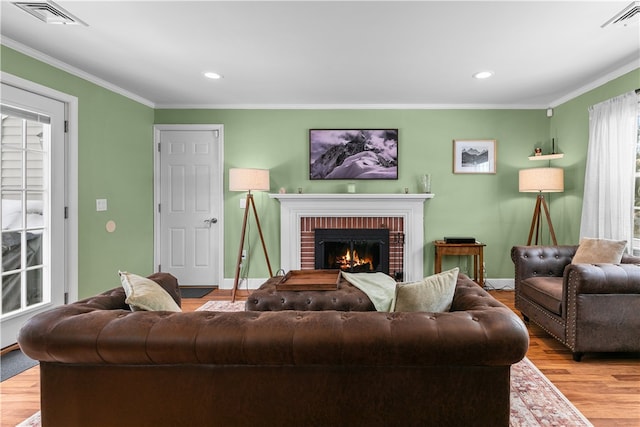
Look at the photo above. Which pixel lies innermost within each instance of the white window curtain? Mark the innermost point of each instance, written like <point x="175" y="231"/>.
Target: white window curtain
<point x="607" y="207"/>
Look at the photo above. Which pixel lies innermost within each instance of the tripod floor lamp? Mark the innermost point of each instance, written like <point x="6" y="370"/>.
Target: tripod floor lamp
<point x="248" y="180"/>
<point x="541" y="180"/>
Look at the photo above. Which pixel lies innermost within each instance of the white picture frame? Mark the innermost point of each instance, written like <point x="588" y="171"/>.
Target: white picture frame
<point x="474" y="156"/>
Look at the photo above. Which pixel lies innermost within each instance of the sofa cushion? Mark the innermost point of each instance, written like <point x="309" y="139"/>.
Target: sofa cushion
<point x="145" y="294"/>
<point x="544" y="291"/>
<point x="169" y="283"/>
<point x="599" y="251"/>
<point x="345" y="298"/>
<point x="431" y="294"/>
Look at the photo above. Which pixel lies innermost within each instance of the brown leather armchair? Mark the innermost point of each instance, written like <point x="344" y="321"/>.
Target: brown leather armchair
<point x="587" y="307"/>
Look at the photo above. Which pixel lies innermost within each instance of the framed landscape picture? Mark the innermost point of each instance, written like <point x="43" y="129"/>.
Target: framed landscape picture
<point x="353" y="154"/>
<point x="474" y="156"/>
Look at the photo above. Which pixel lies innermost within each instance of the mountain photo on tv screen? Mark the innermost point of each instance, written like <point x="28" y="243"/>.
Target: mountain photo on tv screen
<point x="353" y="154"/>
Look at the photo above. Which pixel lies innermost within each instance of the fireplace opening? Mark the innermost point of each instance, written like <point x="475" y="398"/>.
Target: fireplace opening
<point x="357" y="250"/>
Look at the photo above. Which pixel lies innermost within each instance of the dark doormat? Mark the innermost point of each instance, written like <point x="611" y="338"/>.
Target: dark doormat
<point x="195" y="292"/>
<point x="15" y="362"/>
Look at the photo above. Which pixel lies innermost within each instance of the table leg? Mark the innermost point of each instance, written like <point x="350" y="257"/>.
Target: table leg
<point x="475" y="268"/>
<point x="481" y="282"/>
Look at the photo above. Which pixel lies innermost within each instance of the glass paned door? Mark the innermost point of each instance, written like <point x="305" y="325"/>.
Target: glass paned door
<point x="23" y="211"/>
<point x="636" y="205"/>
<point x="32" y="147"/>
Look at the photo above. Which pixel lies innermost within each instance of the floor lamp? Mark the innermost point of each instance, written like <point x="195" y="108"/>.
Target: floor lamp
<point x="541" y="180"/>
<point x="248" y="180"/>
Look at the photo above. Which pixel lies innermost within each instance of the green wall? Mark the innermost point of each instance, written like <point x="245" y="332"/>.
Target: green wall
<point x="115" y="156"/>
<point x="488" y="207"/>
<point x="116" y="163"/>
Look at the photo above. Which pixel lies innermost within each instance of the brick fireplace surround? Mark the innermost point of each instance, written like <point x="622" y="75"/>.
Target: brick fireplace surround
<point x="395" y="225"/>
<point x="402" y="214"/>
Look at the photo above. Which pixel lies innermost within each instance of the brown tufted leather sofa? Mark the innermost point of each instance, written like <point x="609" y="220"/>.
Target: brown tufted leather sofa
<point x="103" y="365"/>
<point x="587" y="307"/>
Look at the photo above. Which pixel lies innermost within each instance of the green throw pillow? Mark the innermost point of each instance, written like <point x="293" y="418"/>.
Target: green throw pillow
<point x="432" y="294"/>
<point x="599" y="251"/>
<point x="145" y="294"/>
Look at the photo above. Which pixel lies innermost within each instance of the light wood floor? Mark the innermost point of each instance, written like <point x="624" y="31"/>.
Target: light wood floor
<point x="604" y="387"/>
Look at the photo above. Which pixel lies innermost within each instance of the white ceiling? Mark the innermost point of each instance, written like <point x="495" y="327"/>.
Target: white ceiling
<point x="329" y="54"/>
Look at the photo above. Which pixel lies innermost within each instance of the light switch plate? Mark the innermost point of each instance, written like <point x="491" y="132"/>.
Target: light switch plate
<point x="101" y="205"/>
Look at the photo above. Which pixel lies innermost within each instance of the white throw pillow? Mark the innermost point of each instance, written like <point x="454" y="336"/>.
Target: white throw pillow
<point x="599" y="251"/>
<point x="431" y="294"/>
<point x="145" y="294"/>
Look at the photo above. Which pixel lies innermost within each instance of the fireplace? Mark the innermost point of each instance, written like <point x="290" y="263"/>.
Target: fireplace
<point x="359" y="250"/>
<point x="402" y="214"/>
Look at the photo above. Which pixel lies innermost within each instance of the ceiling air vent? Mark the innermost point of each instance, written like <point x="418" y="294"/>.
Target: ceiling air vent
<point x="628" y="15"/>
<point x="49" y="12"/>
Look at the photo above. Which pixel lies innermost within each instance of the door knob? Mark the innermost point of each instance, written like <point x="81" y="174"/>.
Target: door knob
<point x="210" y="221"/>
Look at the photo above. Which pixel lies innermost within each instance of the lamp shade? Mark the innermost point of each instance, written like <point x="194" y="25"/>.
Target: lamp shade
<point x="248" y="179"/>
<point x="543" y="180"/>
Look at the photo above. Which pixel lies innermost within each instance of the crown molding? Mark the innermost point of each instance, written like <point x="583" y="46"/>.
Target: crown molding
<point x="36" y="54"/>
<point x="626" y="68"/>
<point x="351" y="107"/>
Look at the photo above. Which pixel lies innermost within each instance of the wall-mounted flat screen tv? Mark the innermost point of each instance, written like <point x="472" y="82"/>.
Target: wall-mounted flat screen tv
<point x="353" y="154"/>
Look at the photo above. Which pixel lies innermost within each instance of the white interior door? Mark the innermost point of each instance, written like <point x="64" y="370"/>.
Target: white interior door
<point x="32" y="181"/>
<point x="188" y="222"/>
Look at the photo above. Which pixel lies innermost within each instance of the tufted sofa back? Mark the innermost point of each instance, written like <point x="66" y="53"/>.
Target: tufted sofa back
<point x="101" y="329"/>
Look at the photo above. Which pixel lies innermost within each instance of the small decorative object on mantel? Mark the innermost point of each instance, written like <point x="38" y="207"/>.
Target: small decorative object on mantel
<point x="538" y="151"/>
<point x="282" y="190"/>
<point x="425" y="183"/>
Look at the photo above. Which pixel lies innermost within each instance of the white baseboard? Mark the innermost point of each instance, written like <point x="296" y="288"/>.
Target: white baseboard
<point x="499" y="284"/>
<point x="244" y="284"/>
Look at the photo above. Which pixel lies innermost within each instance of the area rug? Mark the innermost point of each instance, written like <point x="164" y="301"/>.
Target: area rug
<point x="222" y="306"/>
<point x="32" y="421"/>
<point x="13" y="363"/>
<point x="535" y="401"/>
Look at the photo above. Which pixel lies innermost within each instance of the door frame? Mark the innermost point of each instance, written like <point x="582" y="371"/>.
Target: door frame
<point x="70" y="178"/>
<point x="218" y="202"/>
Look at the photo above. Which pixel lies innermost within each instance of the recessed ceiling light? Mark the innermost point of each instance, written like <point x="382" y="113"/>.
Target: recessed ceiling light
<point x="211" y="75"/>
<point x="483" y="74"/>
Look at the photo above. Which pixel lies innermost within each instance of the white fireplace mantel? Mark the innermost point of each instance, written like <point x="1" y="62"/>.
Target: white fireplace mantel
<point x="410" y="207"/>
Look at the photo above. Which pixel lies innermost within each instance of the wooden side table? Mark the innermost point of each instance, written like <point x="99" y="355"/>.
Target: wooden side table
<point x="473" y="249"/>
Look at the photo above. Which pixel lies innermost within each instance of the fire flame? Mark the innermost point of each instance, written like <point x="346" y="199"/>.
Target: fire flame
<point x="349" y="259"/>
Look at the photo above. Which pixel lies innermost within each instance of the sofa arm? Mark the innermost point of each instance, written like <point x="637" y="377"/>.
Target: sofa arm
<point x="536" y="261"/>
<point x="630" y="259"/>
<point x="604" y="278"/>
